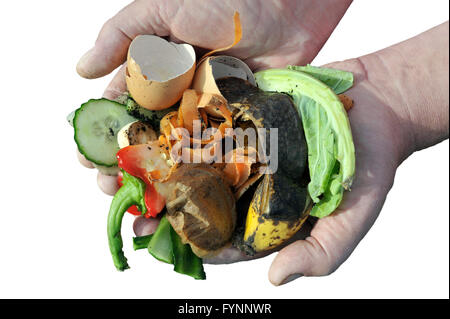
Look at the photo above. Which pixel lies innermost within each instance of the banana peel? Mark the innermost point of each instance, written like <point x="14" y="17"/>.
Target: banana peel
<point x="280" y="203"/>
<point x="263" y="234"/>
<point x="271" y="221"/>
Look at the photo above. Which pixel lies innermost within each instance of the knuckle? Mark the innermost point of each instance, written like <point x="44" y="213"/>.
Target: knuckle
<point x="107" y="27"/>
<point x="323" y="264"/>
<point x="324" y="269"/>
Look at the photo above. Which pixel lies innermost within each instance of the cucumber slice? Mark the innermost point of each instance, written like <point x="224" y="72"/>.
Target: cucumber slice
<point x="96" y="125"/>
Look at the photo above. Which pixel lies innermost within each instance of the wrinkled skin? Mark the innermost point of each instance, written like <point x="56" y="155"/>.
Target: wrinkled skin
<point x="297" y="29"/>
<point x="385" y="125"/>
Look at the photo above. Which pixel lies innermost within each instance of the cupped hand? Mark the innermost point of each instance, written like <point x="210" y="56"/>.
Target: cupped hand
<point x="381" y="143"/>
<point x="274" y="34"/>
<point x="390" y="120"/>
<point x="380" y="146"/>
<point x="291" y="32"/>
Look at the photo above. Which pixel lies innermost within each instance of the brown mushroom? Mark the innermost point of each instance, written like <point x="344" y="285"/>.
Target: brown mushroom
<point x="201" y="208"/>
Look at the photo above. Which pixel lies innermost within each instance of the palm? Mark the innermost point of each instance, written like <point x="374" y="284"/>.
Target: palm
<point x="323" y="248"/>
<point x="373" y="126"/>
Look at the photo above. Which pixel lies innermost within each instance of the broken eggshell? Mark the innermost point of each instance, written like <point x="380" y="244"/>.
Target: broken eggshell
<point x="158" y="71"/>
<point x="213" y="68"/>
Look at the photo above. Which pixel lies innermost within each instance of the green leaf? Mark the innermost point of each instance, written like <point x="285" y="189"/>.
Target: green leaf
<point x="320" y="138"/>
<point x="141" y="242"/>
<point x="166" y="246"/>
<point x="339" y="81"/>
<point x="160" y="245"/>
<point x="185" y="261"/>
<point x="327" y="133"/>
<point x="332" y="196"/>
<point x="149" y="116"/>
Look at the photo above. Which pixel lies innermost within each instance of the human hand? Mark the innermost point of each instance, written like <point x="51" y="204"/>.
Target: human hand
<point x="275" y="33"/>
<point x="319" y="250"/>
<point x="382" y="136"/>
<point x="395" y="114"/>
<point x="380" y="147"/>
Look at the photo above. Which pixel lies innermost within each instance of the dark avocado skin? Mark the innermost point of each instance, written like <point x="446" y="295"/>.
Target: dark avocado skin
<point x="286" y="187"/>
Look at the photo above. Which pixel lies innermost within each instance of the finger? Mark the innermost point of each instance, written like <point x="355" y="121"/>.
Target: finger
<point x="145" y="226"/>
<point x="233" y="255"/>
<point x="111" y="47"/>
<point x="117" y="86"/>
<point x="108" y="184"/>
<point x="332" y="239"/>
<point x="300" y="258"/>
<point x="83" y="161"/>
<point x="228" y="256"/>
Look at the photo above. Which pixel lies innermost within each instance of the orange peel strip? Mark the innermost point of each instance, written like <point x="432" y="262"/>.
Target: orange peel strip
<point x="238" y="171"/>
<point x="188" y="111"/>
<point x="237" y="36"/>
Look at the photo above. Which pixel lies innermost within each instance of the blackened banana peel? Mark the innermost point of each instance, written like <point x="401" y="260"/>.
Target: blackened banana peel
<point x="281" y="202"/>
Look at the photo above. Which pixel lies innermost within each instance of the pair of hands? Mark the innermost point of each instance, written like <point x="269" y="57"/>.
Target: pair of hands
<point x="276" y="33"/>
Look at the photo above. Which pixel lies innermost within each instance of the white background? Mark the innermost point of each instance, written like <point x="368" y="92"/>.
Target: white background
<point x="53" y="217"/>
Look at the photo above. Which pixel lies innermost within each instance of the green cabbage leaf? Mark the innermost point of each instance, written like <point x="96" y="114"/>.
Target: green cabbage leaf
<point x="331" y="152"/>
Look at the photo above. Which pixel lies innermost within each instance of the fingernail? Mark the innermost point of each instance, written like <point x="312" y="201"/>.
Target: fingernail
<point x="290" y="278"/>
<point x="83" y="62"/>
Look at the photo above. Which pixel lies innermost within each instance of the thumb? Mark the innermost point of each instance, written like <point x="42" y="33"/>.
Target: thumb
<point x="332" y="239"/>
<point x="110" y="50"/>
<point x="301" y="258"/>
